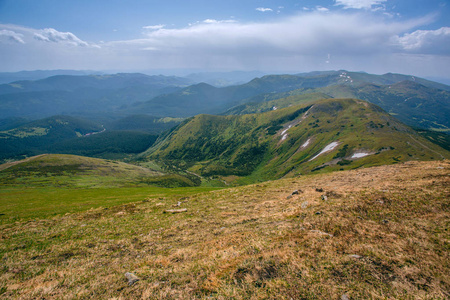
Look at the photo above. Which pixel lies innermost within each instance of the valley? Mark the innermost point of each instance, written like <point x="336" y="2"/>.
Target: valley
<point x="306" y="186"/>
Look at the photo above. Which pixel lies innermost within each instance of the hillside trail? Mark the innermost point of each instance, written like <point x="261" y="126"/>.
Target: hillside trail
<point x="13" y="163"/>
<point x="442" y="156"/>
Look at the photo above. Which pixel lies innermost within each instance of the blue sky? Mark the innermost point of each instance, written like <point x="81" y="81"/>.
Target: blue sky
<point x="377" y="36"/>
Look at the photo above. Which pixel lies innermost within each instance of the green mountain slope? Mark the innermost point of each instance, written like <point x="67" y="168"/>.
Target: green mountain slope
<point x="412" y="103"/>
<point x="291" y="141"/>
<point x="144" y="123"/>
<point x="72" y="171"/>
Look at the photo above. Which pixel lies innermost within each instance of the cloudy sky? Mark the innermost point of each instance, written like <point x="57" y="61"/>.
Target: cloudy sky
<point x="376" y="36"/>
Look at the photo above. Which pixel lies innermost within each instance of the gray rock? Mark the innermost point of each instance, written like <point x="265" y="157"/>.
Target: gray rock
<point x="324" y="197"/>
<point x="356" y="256"/>
<point x="345" y="297"/>
<point x="132" y="279"/>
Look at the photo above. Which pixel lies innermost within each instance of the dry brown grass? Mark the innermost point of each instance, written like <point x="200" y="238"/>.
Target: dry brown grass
<point x="382" y="233"/>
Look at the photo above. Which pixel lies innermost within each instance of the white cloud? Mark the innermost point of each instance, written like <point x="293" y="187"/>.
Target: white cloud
<point x="322" y="9"/>
<point x="358" y="41"/>
<point x="263" y="9"/>
<point x="8" y="36"/>
<point x="154" y="27"/>
<point x="300" y="35"/>
<point x="213" y="21"/>
<point x="52" y="35"/>
<point x="359" y="4"/>
<point x="426" y="41"/>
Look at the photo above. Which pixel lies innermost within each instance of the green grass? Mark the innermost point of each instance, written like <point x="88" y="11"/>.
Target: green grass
<point x="381" y="234"/>
<point x="21" y="204"/>
<point x="267" y="146"/>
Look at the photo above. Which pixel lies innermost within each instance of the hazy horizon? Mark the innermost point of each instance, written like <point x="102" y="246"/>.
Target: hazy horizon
<point x="374" y="36"/>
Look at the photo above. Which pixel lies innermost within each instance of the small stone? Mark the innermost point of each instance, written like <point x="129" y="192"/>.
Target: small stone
<point x="385" y="221"/>
<point x="345" y="297"/>
<point x="356" y="256"/>
<point x="318" y="212"/>
<point x="321" y="232"/>
<point x="324" y="197"/>
<point x="132" y="279"/>
<point x="320" y="190"/>
<point x="174" y="211"/>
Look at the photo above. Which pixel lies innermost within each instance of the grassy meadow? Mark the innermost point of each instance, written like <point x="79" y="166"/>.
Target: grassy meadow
<point x="374" y="233"/>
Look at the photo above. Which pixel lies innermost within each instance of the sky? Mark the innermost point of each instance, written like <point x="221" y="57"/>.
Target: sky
<point x="173" y="36"/>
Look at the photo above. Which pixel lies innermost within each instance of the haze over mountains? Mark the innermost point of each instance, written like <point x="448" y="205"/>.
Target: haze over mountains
<point x="258" y="129"/>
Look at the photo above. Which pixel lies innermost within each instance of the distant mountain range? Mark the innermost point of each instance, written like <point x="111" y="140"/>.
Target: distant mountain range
<point x="82" y="95"/>
<point x="7" y="77"/>
<point x="145" y="106"/>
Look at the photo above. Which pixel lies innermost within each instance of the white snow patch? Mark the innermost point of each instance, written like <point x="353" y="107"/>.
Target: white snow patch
<point x="274" y="108"/>
<point x="284" y="131"/>
<point x="284" y="137"/>
<point x="359" y="155"/>
<point x="328" y="148"/>
<point x="305" y="144"/>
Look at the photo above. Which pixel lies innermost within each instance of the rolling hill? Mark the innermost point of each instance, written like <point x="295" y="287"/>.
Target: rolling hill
<point x="329" y="134"/>
<point x="57" y="170"/>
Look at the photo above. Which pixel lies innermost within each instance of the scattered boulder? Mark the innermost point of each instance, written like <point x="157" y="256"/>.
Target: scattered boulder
<point x="296" y="192"/>
<point x="333" y="194"/>
<point x="320" y="190"/>
<point x="132" y="279"/>
<point x="324" y="197"/>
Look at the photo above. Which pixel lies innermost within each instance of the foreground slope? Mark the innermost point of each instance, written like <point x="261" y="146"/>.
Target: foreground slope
<point x="381" y="233"/>
<point x="330" y="134"/>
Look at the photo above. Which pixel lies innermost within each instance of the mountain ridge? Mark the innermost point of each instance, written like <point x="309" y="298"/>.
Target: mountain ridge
<point x="292" y="141"/>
